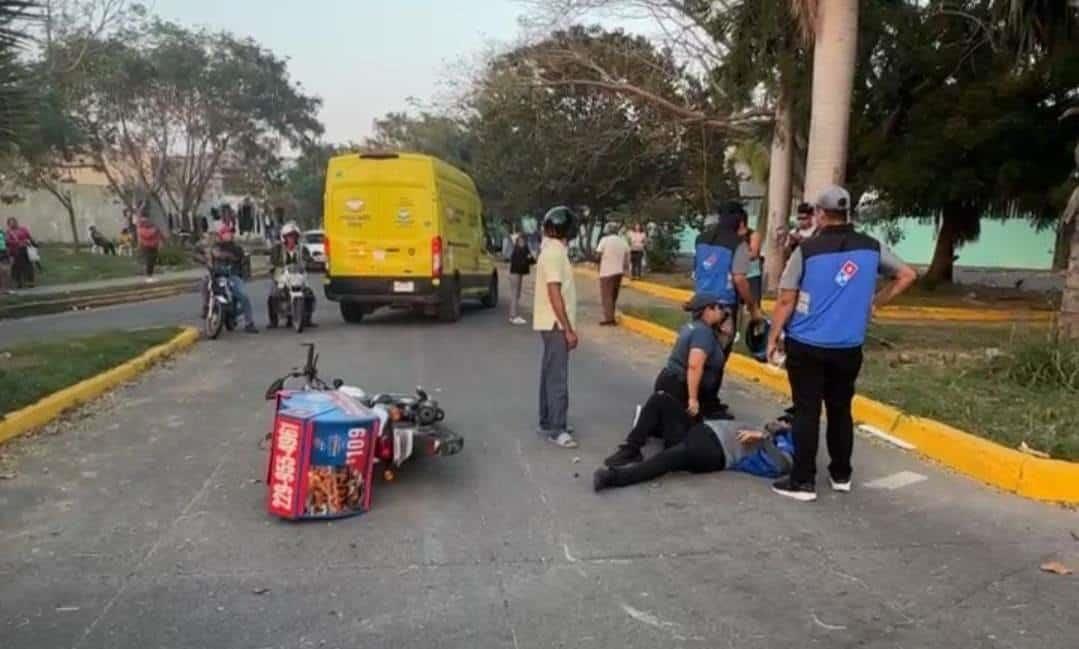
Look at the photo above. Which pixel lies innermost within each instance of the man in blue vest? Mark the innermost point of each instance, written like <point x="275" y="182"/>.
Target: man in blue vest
<point x="721" y="263"/>
<point x="826" y="296"/>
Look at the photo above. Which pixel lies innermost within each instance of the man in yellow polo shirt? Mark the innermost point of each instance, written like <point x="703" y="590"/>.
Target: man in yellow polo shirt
<point x="554" y="316"/>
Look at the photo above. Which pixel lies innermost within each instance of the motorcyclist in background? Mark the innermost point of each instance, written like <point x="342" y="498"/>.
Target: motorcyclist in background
<point x="227" y="255"/>
<point x="286" y="252"/>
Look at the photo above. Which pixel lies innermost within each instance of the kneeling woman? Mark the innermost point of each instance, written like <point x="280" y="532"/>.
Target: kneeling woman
<point x="692" y="370"/>
<point x="713" y="445"/>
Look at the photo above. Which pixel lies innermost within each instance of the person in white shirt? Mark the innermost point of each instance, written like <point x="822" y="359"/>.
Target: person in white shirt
<point x="613" y="254"/>
<point x="554" y="316"/>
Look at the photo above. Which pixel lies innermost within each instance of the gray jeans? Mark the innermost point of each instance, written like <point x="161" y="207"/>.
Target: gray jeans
<point x="516" y="282"/>
<point x="554" y="382"/>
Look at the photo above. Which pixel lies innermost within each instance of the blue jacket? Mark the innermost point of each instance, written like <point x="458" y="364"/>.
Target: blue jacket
<point x="771" y="460"/>
<point x="835" y="298"/>
<point x="713" y="260"/>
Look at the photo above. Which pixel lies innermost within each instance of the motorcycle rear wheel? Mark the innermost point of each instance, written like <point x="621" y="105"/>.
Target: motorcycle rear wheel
<point x="299" y="318"/>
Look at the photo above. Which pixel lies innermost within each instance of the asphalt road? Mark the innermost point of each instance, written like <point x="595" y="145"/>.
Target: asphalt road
<point x="141" y="523"/>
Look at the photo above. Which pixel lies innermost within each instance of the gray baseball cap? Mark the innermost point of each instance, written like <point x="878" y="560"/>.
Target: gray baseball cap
<point x="834" y="198"/>
<point x="701" y="301"/>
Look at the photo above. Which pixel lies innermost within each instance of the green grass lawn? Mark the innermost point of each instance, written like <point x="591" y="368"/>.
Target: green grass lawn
<point x="65" y="265"/>
<point x="32" y="371"/>
<point x="945" y="295"/>
<point x="955" y="374"/>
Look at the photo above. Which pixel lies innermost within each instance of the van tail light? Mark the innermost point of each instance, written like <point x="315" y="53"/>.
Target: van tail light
<point x="436" y="257"/>
<point x="326" y="250"/>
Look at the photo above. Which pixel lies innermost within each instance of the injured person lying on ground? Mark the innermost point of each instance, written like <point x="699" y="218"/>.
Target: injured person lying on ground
<point x="712" y="445"/>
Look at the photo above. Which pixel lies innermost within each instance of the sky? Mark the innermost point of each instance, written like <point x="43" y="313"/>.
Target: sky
<point x="364" y="58"/>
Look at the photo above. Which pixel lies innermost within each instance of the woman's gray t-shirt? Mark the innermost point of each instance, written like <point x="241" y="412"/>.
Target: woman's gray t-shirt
<point x="696" y="335"/>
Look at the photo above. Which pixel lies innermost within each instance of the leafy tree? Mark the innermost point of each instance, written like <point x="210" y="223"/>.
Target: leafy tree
<point x="548" y="129"/>
<point x="305" y="181"/>
<point x="15" y="116"/>
<point x="442" y="136"/>
<point x="164" y="108"/>
<point x="953" y="127"/>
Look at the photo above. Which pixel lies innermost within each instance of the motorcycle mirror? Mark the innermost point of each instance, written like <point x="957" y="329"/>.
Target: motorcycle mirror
<point x="421" y="393"/>
<point x="275" y="387"/>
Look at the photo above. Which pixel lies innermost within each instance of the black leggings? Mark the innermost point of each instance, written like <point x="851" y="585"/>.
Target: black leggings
<point x="699" y="452"/>
<point x="661" y="416"/>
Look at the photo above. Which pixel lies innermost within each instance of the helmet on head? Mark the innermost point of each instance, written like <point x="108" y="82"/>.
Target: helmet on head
<point x="732" y="215"/>
<point x="561" y="221"/>
<point x="290" y="228"/>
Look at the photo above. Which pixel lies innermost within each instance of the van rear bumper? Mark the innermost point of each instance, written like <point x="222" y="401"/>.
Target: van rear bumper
<point x="380" y="291"/>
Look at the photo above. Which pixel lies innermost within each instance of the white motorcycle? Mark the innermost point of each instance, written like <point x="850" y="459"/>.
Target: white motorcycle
<point x="289" y="301"/>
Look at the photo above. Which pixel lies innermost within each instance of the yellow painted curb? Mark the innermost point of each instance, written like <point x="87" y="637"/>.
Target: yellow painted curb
<point x="1032" y="477"/>
<point x="902" y="313"/>
<point x="38" y="414"/>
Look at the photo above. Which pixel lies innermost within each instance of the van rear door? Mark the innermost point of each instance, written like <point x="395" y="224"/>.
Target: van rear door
<point x="381" y="230"/>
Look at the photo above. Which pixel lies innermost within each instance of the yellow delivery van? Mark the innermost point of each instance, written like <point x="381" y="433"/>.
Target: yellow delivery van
<point x="403" y="229"/>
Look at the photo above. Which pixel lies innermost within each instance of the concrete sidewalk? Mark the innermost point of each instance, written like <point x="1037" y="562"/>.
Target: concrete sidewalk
<point x="119" y="283"/>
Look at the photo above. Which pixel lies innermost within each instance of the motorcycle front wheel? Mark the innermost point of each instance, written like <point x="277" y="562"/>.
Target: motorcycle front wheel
<point x="214" y="320"/>
<point x="299" y="318"/>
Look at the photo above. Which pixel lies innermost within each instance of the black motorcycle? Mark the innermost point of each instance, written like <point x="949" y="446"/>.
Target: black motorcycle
<point x="222" y="309"/>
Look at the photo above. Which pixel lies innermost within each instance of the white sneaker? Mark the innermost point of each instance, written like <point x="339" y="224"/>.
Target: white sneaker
<point x="843" y="487"/>
<point x="564" y="439"/>
<point x="518" y="321"/>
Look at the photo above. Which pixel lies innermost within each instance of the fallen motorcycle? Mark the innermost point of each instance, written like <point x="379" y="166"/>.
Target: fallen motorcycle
<point x="329" y="439"/>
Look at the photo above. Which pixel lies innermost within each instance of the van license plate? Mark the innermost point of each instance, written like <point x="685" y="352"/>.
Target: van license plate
<point x="404" y="287"/>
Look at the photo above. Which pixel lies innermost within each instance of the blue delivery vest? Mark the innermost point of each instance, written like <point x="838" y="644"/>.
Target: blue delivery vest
<point x="839" y="279"/>
<point x="713" y="258"/>
<point x="759" y="463"/>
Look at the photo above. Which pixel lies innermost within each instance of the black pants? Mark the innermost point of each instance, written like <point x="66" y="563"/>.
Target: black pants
<point x="699" y="451"/>
<point x="636" y="262"/>
<point x="107" y="247"/>
<point x="149" y="257"/>
<point x="662" y="416"/>
<point x="819" y="374"/>
<point x="22" y="269"/>
<point x="729" y="329"/>
<point x="675" y="385"/>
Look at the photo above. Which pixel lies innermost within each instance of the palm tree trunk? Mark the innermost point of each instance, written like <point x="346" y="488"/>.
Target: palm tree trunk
<point x="1068" y="323"/>
<point x="834" y="58"/>
<point x="779" y="191"/>
<point x="1069" y="305"/>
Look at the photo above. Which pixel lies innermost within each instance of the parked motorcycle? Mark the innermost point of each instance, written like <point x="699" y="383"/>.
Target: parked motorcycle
<point x="414" y="422"/>
<point x="222" y="309"/>
<point x="290" y="299"/>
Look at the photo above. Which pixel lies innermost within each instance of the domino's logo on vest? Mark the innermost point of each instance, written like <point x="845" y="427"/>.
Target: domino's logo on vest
<point x="846" y="273"/>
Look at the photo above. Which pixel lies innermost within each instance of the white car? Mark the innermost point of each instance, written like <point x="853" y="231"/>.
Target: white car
<point x="314" y="241"/>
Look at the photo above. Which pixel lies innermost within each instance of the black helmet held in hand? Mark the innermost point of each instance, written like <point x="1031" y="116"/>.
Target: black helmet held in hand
<point x="560" y="222"/>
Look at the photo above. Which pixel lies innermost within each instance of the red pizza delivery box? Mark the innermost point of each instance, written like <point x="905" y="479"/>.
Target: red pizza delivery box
<point x="321" y="456"/>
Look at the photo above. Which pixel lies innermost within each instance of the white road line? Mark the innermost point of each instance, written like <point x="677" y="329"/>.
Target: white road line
<point x="873" y="431"/>
<point x="897" y="480"/>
